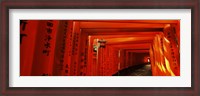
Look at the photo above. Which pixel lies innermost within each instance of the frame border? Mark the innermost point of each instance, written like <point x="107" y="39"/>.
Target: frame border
<point x="98" y="4"/>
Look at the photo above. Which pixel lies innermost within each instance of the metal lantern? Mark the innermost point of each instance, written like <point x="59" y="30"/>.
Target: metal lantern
<point x="102" y="43"/>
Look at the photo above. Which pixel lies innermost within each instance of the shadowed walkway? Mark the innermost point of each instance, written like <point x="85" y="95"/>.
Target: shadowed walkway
<point x="143" y="71"/>
<point x="140" y="70"/>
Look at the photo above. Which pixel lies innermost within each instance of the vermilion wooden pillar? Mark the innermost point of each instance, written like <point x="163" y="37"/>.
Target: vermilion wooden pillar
<point x="75" y="49"/>
<point x="127" y="60"/>
<point x="111" y="59"/>
<point x="172" y="54"/>
<point x="165" y="53"/>
<point x="45" y="46"/>
<point x="83" y="54"/>
<point x="121" y="58"/>
<point x="100" y="62"/>
<point x="106" y="59"/>
<point x="28" y="31"/>
<point x="152" y="58"/>
<point x="134" y="59"/>
<point x="124" y="61"/>
<point x="68" y="49"/>
<point x="156" y="50"/>
<point x="90" y="56"/>
<point x="58" y="59"/>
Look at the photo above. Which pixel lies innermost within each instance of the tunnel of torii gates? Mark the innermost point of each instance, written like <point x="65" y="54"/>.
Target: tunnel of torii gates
<point x="98" y="47"/>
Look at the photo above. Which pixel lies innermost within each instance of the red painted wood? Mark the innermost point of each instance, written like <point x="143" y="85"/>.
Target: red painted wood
<point x="68" y="49"/>
<point x="76" y="50"/>
<point x="28" y="30"/>
<point x="60" y="65"/>
<point x="74" y="55"/>
<point x="165" y="53"/>
<point x="44" y="51"/>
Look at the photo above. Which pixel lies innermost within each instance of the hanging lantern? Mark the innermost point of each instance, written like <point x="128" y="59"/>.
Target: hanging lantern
<point x="95" y="48"/>
<point x="102" y="43"/>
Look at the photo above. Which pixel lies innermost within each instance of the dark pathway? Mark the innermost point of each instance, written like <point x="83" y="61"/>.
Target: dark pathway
<point x="143" y="71"/>
<point x="140" y="70"/>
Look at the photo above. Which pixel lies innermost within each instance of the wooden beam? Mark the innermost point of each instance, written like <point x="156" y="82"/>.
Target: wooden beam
<point x="128" y="39"/>
<point x="134" y="21"/>
<point x="131" y="42"/>
<point x="123" y="33"/>
<point x="113" y="30"/>
<point x="138" y="50"/>
<point x="132" y="46"/>
<point x="118" y="25"/>
<point x="136" y="34"/>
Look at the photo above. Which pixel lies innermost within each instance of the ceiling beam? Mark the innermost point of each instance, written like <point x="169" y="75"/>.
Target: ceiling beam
<point x="118" y="25"/>
<point x="144" y="33"/>
<point x="137" y="50"/>
<point x="113" y="30"/>
<point x="130" y="42"/>
<point x="136" y="34"/>
<point x="128" y="39"/>
<point x="133" y="21"/>
<point x="132" y="46"/>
